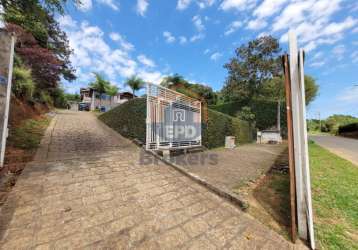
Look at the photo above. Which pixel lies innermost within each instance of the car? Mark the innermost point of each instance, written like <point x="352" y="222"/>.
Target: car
<point x="83" y="106"/>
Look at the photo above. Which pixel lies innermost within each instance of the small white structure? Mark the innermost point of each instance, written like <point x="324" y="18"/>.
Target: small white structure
<point x="230" y="142"/>
<point x="269" y="137"/>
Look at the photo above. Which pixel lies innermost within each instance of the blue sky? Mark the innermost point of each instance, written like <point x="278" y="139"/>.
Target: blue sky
<point x="195" y="38"/>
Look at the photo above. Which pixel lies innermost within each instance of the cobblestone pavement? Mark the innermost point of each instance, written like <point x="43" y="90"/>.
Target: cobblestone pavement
<point x="86" y="189"/>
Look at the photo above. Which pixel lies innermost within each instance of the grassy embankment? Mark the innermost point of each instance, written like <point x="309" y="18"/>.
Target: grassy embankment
<point x="335" y="200"/>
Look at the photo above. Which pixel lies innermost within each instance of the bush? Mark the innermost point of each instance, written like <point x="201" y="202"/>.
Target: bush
<point x="220" y="125"/>
<point x="45" y="98"/>
<point x="23" y="86"/>
<point x="353" y="127"/>
<point x="265" y="112"/>
<point x="129" y="120"/>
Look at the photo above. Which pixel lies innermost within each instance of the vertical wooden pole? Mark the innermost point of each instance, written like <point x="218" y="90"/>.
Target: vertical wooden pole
<point x="291" y="162"/>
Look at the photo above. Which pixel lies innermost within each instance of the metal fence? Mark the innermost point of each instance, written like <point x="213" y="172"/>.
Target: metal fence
<point x="173" y="119"/>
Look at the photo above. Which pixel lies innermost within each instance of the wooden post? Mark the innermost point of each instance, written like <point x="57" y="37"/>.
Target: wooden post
<point x="291" y="162"/>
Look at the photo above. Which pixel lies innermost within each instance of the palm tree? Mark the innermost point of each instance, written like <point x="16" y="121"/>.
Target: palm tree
<point x="112" y="90"/>
<point x="135" y="83"/>
<point x="100" y="85"/>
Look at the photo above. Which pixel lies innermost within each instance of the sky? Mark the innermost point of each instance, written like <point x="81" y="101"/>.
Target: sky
<point x="195" y="38"/>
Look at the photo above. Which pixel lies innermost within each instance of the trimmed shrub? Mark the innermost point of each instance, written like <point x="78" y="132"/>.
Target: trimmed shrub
<point x="220" y="125"/>
<point x="129" y="120"/>
<point x="265" y="112"/>
<point x="353" y="127"/>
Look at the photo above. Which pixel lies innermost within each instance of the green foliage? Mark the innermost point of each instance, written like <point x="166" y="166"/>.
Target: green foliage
<point x="45" y="98"/>
<point x="112" y="90"/>
<point x="252" y="65"/>
<point x="100" y="84"/>
<point x="220" y="125"/>
<point x="59" y="98"/>
<point x="333" y="122"/>
<point x="28" y="134"/>
<point x="352" y="127"/>
<point x="265" y="111"/>
<point x="23" y="86"/>
<point x="129" y="120"/>
<point x="198" y="91"/>
<point x="135" y="83"/>
<point x="246" y="114"/>
<point x="38" y="19"/>
<point x="73" y="97"/>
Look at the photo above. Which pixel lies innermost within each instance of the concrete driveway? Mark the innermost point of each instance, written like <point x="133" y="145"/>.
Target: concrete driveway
<point x="344" y="147"/>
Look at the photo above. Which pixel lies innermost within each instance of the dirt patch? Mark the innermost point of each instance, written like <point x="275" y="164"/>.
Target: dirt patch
<point x="268" y="197"/>
<point x="27" y="124"/>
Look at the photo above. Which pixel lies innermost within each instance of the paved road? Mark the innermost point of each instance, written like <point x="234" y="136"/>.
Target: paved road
<point x="87" y="189"/>
<point x="344" y="147"/>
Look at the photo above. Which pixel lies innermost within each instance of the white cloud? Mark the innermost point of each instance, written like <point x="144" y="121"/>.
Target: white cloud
<point x="205" y="3"/>
<point x="93" y="54"/>
<point x="215" y="56"/>
<point x="85" y="5"/>
<point x="198" y="23"/>
<point x="197" y="37"/>
<point x="268" y="7"/>
<point x="206" y="51"/>
<point x="183" y="4"/>
<point x="183" y="40"/>
<point x="142" y="6"/>
<point x="233" y="27"/>
<point x="338" y="51"/>
<point x="67" y="21"/>
<point x="349" y="95"/>
<point x="256" y="24"/>
<point x="146" y="61"/>
<point x="110" y="3"/>
<point x="122" y="41"/>
<point x="169" y="38"/>
<point x="317" y="64"/>
<point x="237" y="4"/>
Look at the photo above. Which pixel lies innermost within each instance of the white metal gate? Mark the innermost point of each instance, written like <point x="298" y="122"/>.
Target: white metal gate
<point x="173" y="119"/>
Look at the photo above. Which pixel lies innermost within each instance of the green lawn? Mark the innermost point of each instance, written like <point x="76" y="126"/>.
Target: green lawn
<point x="335" y="199"/>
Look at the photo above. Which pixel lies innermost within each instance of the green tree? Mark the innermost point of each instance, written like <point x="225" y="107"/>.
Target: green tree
<point x="177" y="83"/>
<point x="100" y="85"/>
<point x="36" y="17"/>
<point x="274" y="89"/>
<point x="112" y="90"/>
<point x="334" y="121"/>
<point x="135" y="83"/>
<point x="253" y="64"/>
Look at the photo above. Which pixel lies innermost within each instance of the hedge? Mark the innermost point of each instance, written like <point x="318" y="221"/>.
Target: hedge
<point x="220" y="125"/>
<point x="352" y="127"/>
<point x="265" y="112"/>
<point x="129" y="120"/>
